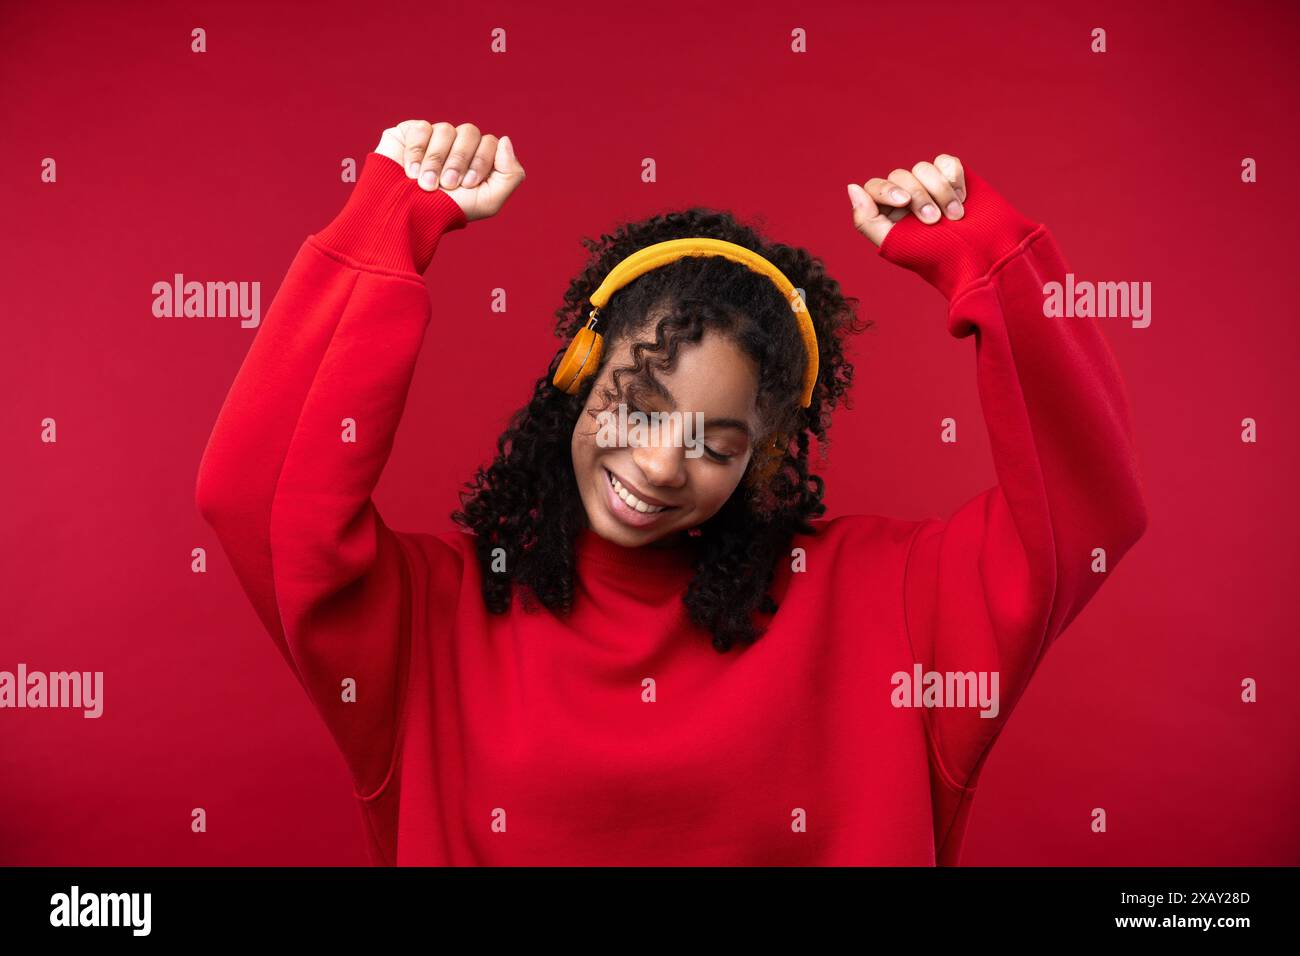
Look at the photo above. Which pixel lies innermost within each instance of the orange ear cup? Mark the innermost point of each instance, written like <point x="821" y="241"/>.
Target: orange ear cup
<point x="580" y="360"/>
<point x="768" y="459"/>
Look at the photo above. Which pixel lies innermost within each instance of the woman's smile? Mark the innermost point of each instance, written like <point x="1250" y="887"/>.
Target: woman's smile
<point x="633" y="507"/>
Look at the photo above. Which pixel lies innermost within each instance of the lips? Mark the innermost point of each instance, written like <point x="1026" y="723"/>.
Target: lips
<point x="631" y="507"/>
<point x="637" y="492"/>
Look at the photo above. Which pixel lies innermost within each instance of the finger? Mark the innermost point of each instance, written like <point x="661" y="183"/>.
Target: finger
<point x="507" y="165"/>
<point x="922" y="204"/>
<point x="867" y="218"/>
<point x="887" y="193"/>
<point x="391" y="145"/>
<point x="480" y="165"/>
<point x="414" y="135"/>
<point x="936" y="183"/>
<point x="954" y="172"/>
<point x="505" y="177"/>
<point x="462" y="151"/>
<point x="444" y="134"/>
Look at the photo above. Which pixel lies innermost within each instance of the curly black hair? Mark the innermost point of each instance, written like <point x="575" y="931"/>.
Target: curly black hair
<point x="527" y="503"/>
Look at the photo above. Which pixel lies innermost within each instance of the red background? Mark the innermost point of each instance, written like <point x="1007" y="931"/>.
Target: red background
<point x="218" y="165"/>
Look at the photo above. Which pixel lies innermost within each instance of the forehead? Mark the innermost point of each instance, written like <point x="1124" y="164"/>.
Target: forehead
<point x="713" y="376"/>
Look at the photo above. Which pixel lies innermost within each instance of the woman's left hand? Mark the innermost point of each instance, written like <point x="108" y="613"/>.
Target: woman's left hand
<point x="927" y="189"/>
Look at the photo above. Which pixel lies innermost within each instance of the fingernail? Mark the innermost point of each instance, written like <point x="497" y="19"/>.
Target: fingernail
<point x="954" y="210"/>
<point x="449" y="177"/>
<point x="413" y="170"/>
<point x="428" y="180"/>
<point x="898" y="196"/>
<point x="471" y="178"/>
<point x="854" y="197"/>
<point x="929" y="213"/>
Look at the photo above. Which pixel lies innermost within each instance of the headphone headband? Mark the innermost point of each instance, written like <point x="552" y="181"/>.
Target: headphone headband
<point x="583" y="354"/>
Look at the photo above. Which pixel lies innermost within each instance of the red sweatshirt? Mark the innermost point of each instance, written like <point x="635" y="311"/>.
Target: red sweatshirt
<point x="618" y="735"/>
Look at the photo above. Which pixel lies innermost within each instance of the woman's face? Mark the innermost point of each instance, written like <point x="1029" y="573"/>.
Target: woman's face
<point x="641" y="486"/>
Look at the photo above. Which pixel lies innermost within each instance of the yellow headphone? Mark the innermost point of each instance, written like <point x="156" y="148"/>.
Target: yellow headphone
<point x="582" y="357"/>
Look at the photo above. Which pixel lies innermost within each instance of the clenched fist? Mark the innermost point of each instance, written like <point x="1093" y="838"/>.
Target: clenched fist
<point x="479" y="172"/>
<point x="927" y="189"/>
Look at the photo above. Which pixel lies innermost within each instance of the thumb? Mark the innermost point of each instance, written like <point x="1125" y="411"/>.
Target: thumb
<point x="866" y="215"/>
<point x="506" y="164"/>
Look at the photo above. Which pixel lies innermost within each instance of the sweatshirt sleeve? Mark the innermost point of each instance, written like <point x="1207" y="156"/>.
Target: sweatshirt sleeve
<point x="299" y="445"/>
<point x="990" y="588"/>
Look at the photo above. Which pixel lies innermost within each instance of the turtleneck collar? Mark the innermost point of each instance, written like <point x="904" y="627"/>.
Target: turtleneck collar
<point x="591" y="549"/>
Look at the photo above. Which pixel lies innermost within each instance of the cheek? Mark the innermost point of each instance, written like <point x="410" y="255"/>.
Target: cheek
<point x="582" y="448"/>
<point x="714" y="485"/>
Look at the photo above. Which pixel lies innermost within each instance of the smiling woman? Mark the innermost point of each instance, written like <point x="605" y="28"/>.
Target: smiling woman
<point x="702" y="335"/>
<point x="550" y="683"/>
<point x="713" y="381"/>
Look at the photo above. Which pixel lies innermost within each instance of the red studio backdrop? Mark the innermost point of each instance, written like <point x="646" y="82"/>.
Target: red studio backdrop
<point x="217" y="165"/>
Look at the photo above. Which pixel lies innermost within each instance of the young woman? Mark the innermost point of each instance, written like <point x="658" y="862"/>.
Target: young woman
<point x="576" y="675"/>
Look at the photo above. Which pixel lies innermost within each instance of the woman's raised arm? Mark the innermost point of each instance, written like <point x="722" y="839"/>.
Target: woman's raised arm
<point x="990" y="588"/>
<point x="303" y="436"/>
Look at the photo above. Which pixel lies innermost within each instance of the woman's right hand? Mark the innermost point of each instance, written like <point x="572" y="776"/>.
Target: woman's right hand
<point x="479" y="172"/>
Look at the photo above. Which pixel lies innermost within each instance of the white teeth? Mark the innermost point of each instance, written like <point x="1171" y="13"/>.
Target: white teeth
<point x="631" y="500"/>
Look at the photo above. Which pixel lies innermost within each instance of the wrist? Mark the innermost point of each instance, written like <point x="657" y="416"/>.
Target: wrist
<point x="389" y="221"/>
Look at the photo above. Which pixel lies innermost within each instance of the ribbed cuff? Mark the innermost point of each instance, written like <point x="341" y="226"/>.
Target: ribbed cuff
<point x="951" y="254"/>
<point x="390" y="221"/>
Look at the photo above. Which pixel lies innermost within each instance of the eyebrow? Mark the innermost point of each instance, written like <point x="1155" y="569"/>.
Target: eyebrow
<point x="662" y="391"/>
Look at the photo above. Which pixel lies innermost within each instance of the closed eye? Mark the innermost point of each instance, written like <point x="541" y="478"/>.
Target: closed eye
<point x="717" y="456"/>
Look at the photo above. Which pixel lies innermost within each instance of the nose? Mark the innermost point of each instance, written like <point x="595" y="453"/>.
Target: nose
<point x="662" y="465"/>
